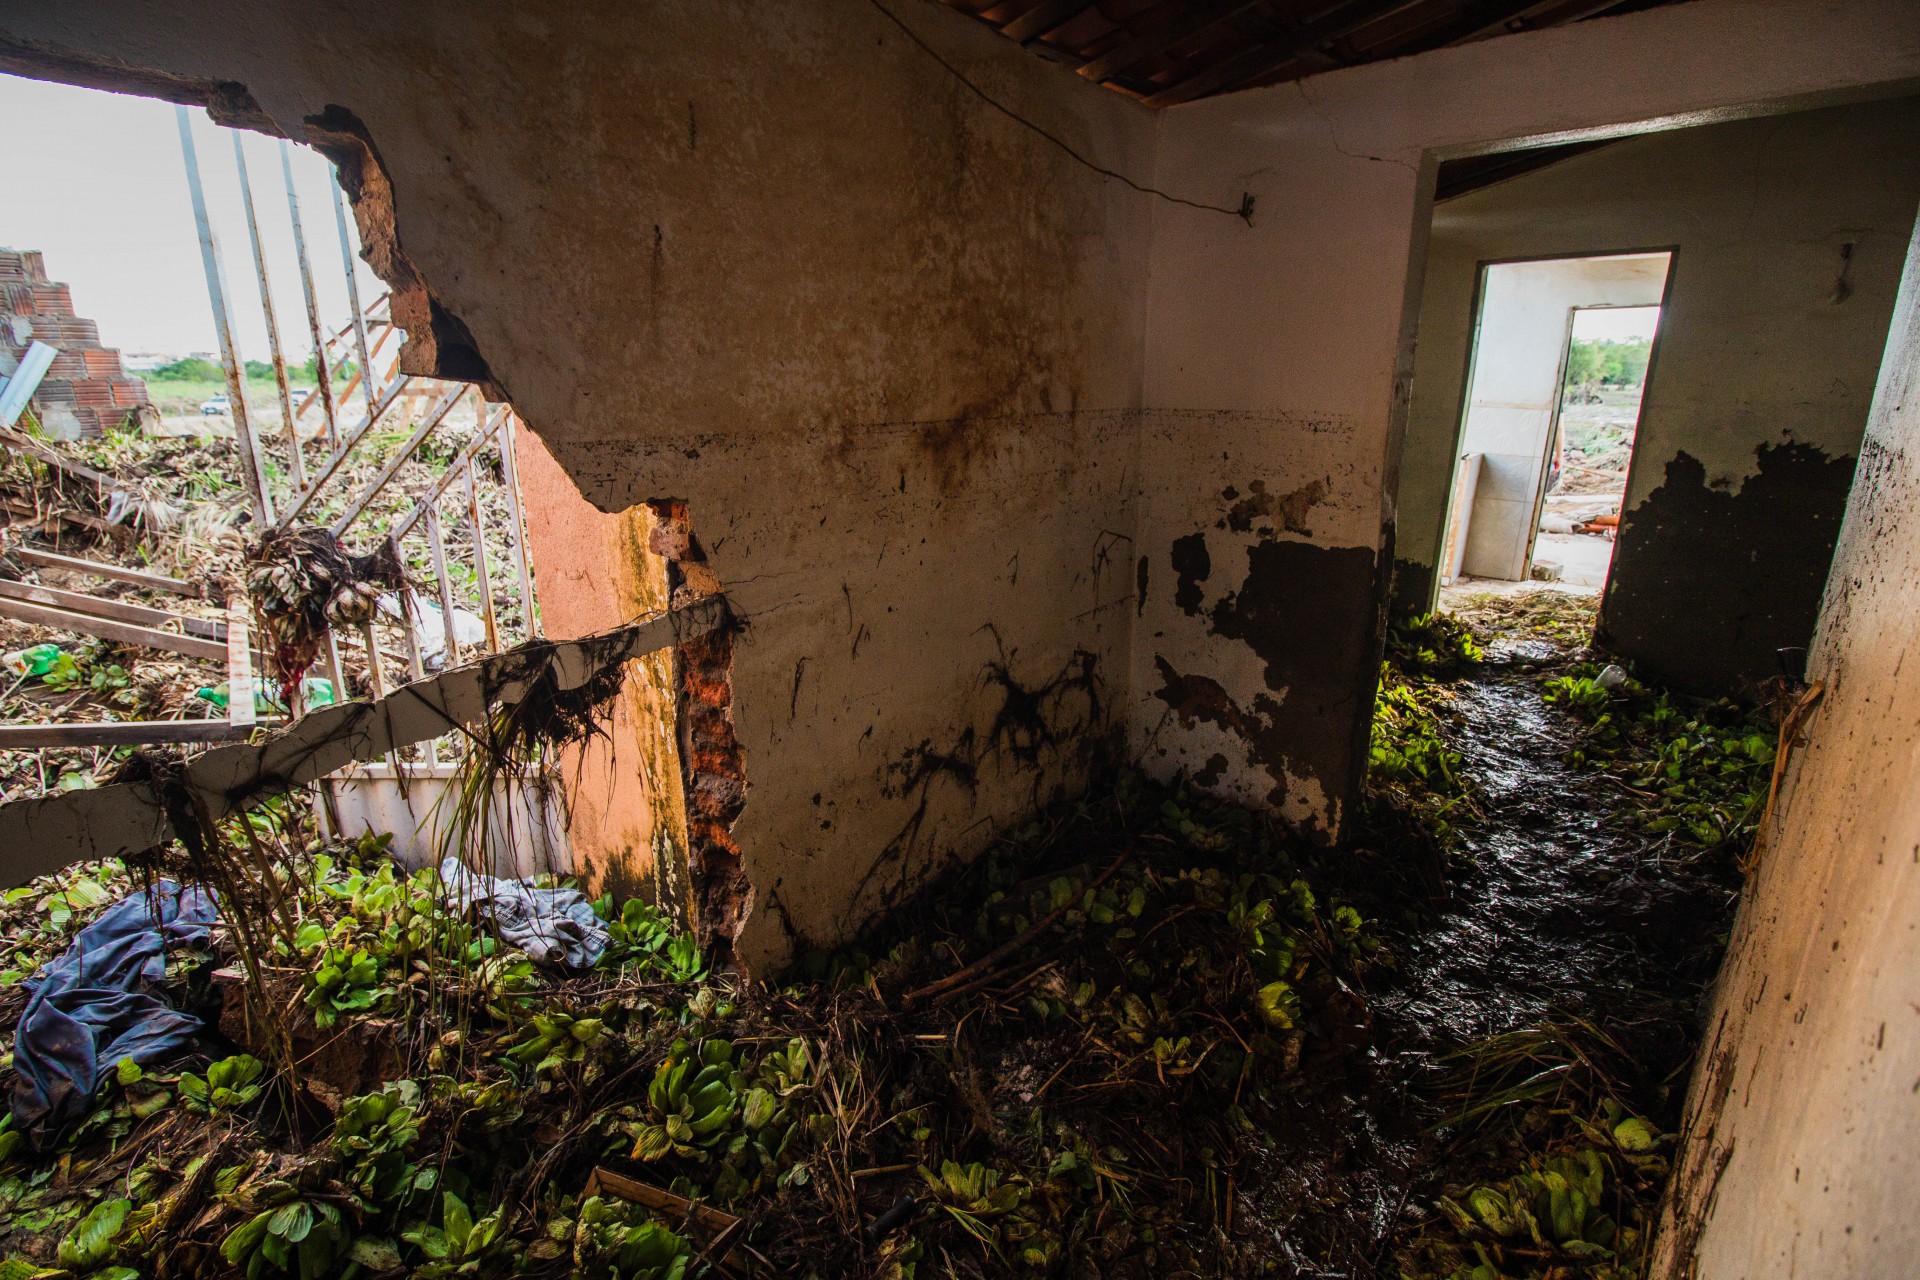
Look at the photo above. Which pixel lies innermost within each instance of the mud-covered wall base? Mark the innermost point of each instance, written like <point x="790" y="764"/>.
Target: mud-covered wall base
<point x="1255" y="636"/>
<point x="1709" y="581"/>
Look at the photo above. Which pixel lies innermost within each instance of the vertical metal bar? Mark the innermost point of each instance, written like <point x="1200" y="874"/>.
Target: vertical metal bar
<point x="480" y="559"/>
<point x="353" y="294"/>
<point x="416" y="663"/>
<point x="438" y="543"/>
<point x="298" y="464"/>
<point x="320" y="373"/>
<point x="240" y="710"/>
<point x="376" y="676"/>
<point x="358" y="376"/>
<point x="335" y="672"/>
<point x="251" y="471"/>
<point x="511" y="471"/>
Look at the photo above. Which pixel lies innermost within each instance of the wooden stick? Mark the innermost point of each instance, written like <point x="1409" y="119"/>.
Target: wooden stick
<point x="20" y="442"/>
<point x="1000" y="953"/>
<point x="121" y="733"/>
<point x="606" y="1182"/>
<point x="109" y="629"/>
<point x="80" y="602"/>
<point x="73" y="564"/>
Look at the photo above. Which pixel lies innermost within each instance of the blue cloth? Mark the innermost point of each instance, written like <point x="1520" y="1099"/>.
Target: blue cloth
<point x="99" y="1003"/>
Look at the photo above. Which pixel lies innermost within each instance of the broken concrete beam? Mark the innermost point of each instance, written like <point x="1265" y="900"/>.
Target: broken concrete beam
<point x="43" y="835"/>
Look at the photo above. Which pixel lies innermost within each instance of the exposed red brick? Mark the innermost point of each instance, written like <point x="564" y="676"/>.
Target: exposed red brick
<point x="714" y="771"/>
<point x="84" y="375"/>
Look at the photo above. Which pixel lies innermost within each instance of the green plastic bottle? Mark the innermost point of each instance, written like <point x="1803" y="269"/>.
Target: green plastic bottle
<point x="34" y="660"/>
<point x="266" y="695"/>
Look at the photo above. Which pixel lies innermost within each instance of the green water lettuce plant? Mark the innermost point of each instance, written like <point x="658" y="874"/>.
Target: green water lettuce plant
<point x="692" y="1099"/>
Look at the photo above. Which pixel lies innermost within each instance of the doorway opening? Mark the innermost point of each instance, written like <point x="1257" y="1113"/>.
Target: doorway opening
<point x="1604" y="377"/>
<point x="1557" y="369"/>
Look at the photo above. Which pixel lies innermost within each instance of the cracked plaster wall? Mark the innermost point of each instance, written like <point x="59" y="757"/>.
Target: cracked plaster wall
<point x="946" y="407"/>
<point x="1764" y="370"/>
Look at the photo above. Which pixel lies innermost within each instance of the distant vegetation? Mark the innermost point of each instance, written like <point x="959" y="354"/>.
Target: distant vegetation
<point x="195" y="369"/>
<point x="1615" y="364"/>
<point x="192" y="369"/>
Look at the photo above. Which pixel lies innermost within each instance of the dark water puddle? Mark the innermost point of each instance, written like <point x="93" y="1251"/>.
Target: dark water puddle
<point x="1559" y="908"/>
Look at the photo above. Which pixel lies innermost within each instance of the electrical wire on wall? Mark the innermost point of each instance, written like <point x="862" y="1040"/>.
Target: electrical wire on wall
<point x="1244" y="212"/>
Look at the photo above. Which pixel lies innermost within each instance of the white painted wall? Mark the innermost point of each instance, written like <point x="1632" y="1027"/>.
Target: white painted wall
<point x="1803" y="1132"/>
<point x="1526" y="317"/>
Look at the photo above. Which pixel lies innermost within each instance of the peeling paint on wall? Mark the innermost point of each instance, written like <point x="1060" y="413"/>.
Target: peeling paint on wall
<point x="1276" y="512"/>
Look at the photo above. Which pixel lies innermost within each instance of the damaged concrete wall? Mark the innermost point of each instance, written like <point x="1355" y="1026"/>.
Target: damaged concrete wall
<point x="888" y="351"/>
<point x="1803" y="1120"/>
<point x="1788" y="234"/>
<point x="1278" y="356"/>
<point x="774" y="262"/>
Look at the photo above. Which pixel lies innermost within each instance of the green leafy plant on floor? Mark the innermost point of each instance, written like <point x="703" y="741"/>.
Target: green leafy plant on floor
<point x="374" y="1135"/>
<point x="1586" y="1208"/>
<point x="693" y="1098"/>
<point x="1410" y="766"/>
<point x="229" y="1085"/>
<point x="1432" y="644"/>
<point x="639" y="936"/>
<point x="460" y="1244"/>
<point x="302" y="1237"/>
<point x="1697" y="769"/>
<point x="552" y="1041"/>
<point x="614" y="1240"/>
<point x="92" y="1242"/>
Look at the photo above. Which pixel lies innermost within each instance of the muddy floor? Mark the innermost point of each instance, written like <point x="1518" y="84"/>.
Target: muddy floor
<point x="1557" y="909"/>
<point x="1150" y="1035"/>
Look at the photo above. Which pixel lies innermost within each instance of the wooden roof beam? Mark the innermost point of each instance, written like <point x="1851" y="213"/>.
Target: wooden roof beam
<point x="1479" y="20"/>
<point x="1046" y="16"/>
<point x="1340" y="21"/>
<point x="1551" y="13"/>
<point x="1130" y="53"/>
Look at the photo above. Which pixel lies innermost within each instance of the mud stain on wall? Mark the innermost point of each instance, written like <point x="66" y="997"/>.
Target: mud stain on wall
<point x="1708" y="583"/>
<point x="1198" y="699"/>
<point x="1045" y="733"/>
<point x="1305" y="610"/>
<point x="1286" y="512"/>
<point x="1413" y="588"/>
<point x="1191" y="566"/>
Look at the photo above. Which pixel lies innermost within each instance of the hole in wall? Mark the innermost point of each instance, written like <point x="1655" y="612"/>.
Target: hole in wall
<point x="284" y="261"/>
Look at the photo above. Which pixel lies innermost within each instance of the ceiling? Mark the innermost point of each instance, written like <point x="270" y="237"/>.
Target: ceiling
<point x="1165" y="52"/>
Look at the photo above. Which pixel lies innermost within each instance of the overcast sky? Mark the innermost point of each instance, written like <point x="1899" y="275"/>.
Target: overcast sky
<point x="96" y="182"/>
<point x="1615" y="324"/>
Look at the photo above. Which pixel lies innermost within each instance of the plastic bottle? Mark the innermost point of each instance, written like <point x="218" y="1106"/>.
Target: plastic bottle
<point x="34" y="660"/>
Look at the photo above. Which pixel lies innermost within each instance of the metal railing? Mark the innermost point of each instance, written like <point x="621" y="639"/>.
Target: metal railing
<point x="358" y="351"/>
<point x="359" y="359"/>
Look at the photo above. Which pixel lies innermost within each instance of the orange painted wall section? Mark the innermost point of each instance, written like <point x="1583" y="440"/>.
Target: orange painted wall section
<point x="593" y="572"/>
